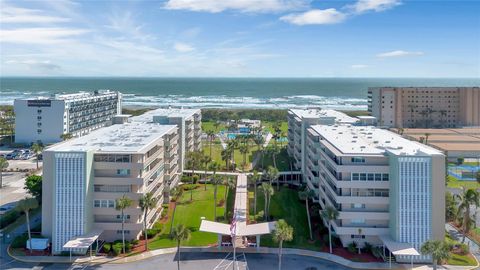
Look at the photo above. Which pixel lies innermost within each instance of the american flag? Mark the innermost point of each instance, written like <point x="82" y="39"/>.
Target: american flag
<point x="233" y="227"/>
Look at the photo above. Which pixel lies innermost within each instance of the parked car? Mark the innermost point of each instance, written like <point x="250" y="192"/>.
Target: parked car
<point x="6" y="207"/>
<point x="10" y="156"/>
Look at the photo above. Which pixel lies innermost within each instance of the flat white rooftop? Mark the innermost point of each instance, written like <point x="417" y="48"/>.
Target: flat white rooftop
<point x="369" y="140"/>
<point x="75" y="96"/>
<point x="318" y="113"/>
<point x="169" y="112"/>
<point x="128" y="137"/>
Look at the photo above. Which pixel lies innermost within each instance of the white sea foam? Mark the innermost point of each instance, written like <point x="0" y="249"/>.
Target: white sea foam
<point x="220" y="101"/>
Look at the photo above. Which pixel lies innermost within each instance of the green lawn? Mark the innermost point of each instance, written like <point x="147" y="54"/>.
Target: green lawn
<point x="454" y="182"/>
<point x="286" y="205"/>
<point x="283" y="161"/>
<point x="269" y="126"/>
<point x="238" y="157"/>
<point x="463" y="260"/>
<point x="189" y="214"/>
<point x="209" y="125"/>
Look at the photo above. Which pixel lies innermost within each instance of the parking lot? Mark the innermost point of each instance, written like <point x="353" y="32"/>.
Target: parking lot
<point x="14" y="177"/>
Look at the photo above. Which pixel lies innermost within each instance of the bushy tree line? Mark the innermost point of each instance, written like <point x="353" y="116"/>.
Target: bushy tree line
<point x="236" y="114"/>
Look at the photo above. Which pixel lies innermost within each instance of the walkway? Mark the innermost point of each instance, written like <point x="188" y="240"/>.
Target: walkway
<point x="474" y="248"/>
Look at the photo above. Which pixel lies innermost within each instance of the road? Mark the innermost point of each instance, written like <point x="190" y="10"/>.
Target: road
<point x="197" y="261"/>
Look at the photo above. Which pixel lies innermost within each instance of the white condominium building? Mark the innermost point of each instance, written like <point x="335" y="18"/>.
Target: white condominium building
<point x="83" y="178"/>
<point x="298" y="123"/>
<point x="189" y="123"/>
<point x="386" y="188"/>
<point x="45" y="119"/>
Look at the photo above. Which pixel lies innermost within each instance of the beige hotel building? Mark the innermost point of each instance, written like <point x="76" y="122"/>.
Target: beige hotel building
<point x="425" y="107"/>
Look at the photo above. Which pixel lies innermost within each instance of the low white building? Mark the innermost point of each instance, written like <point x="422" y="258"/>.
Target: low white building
<point x="45" y="119"/>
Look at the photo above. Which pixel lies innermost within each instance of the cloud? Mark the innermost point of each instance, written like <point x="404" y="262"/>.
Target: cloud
<point x="359" y="66"/>
<point x="398" y="53"/>
<point x="315" y="16"/>
<point x="362" y="6"/>
<point x="182" y="47"/>
<point x="249" y="6"/>
<point x="10" y="14"/>
<point x="125" y="24"/>
<point x="39" y="35"/>
<point x="44" y="66"/>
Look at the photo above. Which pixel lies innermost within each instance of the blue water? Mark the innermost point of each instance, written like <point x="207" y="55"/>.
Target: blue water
<point x="336" y="93"/>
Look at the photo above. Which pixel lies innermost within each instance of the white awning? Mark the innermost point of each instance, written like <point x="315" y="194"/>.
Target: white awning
<point x="258" y="229"/>
<point x="214" y="227"/>
<point x="242" y="228"/>
<point x="398" y="248"/>
<point x="83" y="241"/>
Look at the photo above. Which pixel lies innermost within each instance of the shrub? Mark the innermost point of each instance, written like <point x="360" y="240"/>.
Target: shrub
<point x="107" y="247"/>
<point x="220" y="203"/>
<point x="352" y="247"/>
<point x="152" y="233"/>
<point x="8" y="218"/>
<point x="117" y="249"/>
<point x="367" y="247"/>
<point x="259" y="216"/>
<point x="134" y="242"/>
<point x="21" y="240"/>
<point x="463" y="249"/>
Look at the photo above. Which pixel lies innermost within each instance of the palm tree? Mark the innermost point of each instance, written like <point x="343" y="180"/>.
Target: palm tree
<point x="216" y="180"/>
<point x="229" y="184"/>
<point x="147" y="202"/>
<point x="205" y="161"/>
<point x="226" y="155"/>
<point x="121" y="204"/>
<point x="210" y="136"/>
<point x="66" y="136"/>
<point x="426" y="137"/>
<point x="3" y="166"/>
<point x="400" y="131"/>
<point x="439" y="250"/>
<point x="254" y="181"/>
<point x="467" y="198"/>
<point x="329" y="214"/>
<point x="272" y="175"/>
<point x="268" y="192"/>
<point x="37" y="148"/>
<point x="274" y="151"/>
<point x="282" y="232"/>
<point x="181" y="233"/>
<point x="244" y="150"/>
<point x="25" y="206"/>
<point x="260" y="141"/>
<point x="306" y="194"/>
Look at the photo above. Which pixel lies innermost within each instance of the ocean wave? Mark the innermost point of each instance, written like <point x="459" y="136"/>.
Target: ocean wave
<point x="220" y="101"/>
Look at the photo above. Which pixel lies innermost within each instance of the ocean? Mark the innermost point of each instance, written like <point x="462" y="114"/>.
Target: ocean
<point x="334" y="93"/>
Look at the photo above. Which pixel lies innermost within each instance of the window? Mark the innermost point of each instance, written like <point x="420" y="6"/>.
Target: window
<point x="385" y="177"/>
<point x="125" y="231"/>
<point x="39" y="118"/>
<point x="126" y="217"/>
<point x="39" y="124"/>
<point x="39" y="131"/>
<point x="358" y="221"/>
<point x="104" y="203"/>
<point x="358" y="159"/>
<point x="355" y="177"/>
<point x="378" y="177"/>
<point x="123" y="172"/>
<point x="358" y="205"/>
<point x="39" y="111"/>
<point x="363" y="177"/>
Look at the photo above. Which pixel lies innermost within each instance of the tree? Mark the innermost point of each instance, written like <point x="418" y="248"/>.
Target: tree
<point x="25" y="206"/>
<point x="254" y="181"/>
<point x="306" y="194"/>
<point x="229" y="184"/>
<point x="181" y="233"/>
<point x="272" y="175"/>
<point x="33" y="185"/>
<point x="439" y="250"/>
<point x="268" y="192"/>
<point x="216" y="180"/>
<point x="244" y="151"/>
<point x="37" y="149"/>
<point x="329" y="214"/>
<point x="210" y="136"/>
<point x="282" y="232"/>
<point x="260" y="141"/>
<point x="66" y="136"/>
<point x="467" y="198"/>
<point x="121" y="204"/>
<point x="147" y="202"/>
<point x="3" y="166"/>
<point x="426" y="137"/>
<point x="194" y="180"/>
<point x="226" y="155"/>
<point x="274" y="150"/>
<point x="205" y="161"/>
<point x="450" y="207"/>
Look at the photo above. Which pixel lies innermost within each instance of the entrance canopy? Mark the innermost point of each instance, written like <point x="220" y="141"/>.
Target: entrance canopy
<point x="398" y="248"/>
<point x="242" y="228"/>
<point x="83" y="241"/>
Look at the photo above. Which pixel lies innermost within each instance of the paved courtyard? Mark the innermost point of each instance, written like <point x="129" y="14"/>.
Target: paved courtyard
<point x="197" y="261"/>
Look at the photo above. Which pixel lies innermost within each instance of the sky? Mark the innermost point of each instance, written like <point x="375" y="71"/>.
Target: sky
<point x="240" y="38"/>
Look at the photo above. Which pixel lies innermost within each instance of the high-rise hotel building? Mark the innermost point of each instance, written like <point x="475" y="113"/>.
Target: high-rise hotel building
<point x="425" y="107"/>
<point x="189" y="123"/>
<point x="299" y="120"/>
<point x="83" y="177"/>
<point x="385" y="187"/>
<point x="45" y="119"/>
